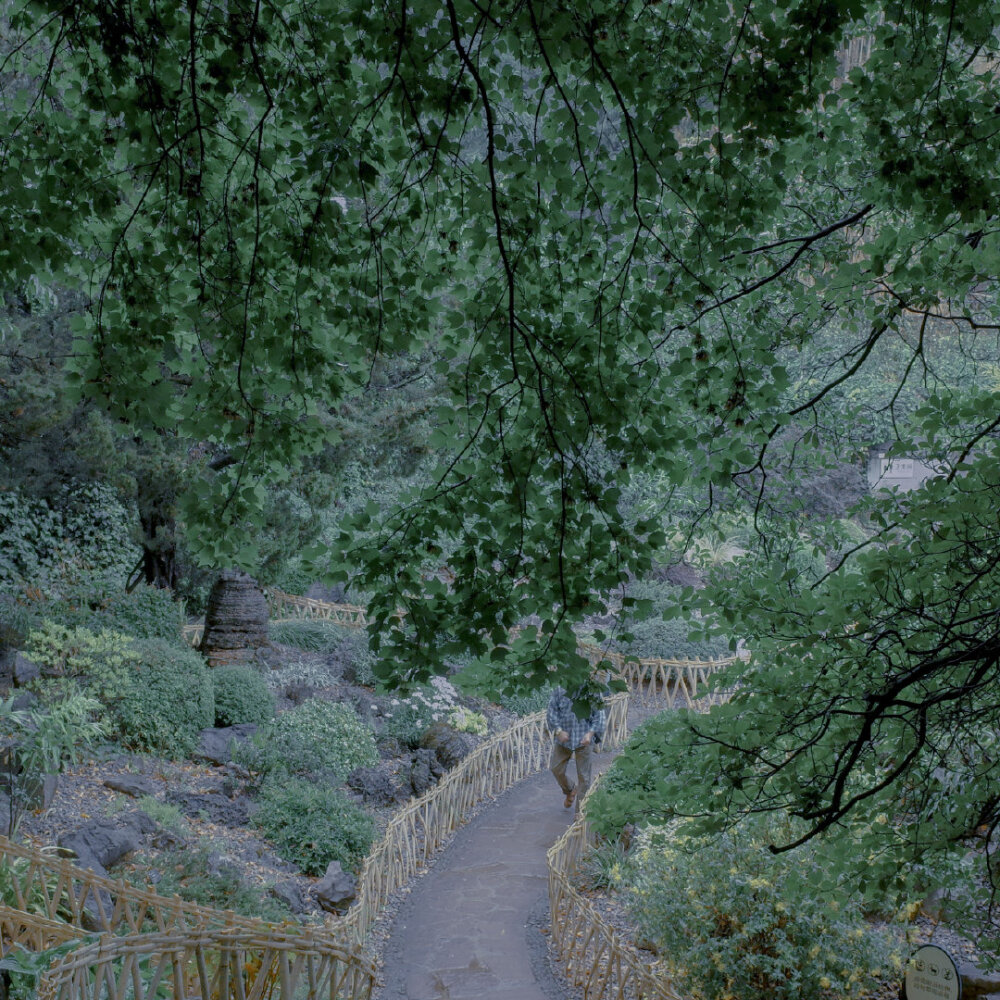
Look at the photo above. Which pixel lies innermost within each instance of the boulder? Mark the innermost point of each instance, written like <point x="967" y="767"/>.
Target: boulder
<point x="135" y="785"/>
<point x="374" y="786"/>
<point x="23" y="670"/>
<point x="335" y="890"/>
<point x="425" y="770"/>
<point x="217" y="806"/>
<point x="235" y="620"/>
<point x="291" y="894"/>
<point x="976" y="983"/>
<point x="216" y="745"/>
<point x="449" y="745"/>
<point x="102" y="842"/>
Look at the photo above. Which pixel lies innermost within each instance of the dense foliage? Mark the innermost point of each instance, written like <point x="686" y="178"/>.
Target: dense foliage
<point x="312" y="825"/>
<point x="317" y="738"/>
<point x="717" y="249"/>
<point x="241" y="695"/>
<point x="738" y="923"/>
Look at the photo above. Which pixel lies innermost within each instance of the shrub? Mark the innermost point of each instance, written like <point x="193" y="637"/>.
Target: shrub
<point x="467" y="721"/>
<point x="169" y="700"/>
<point x="241" y="695"/>
<point x="291" y="674"/>
<point x="85" y="526"/>
<point x="670" y="640"/>
<point x="103" y="663"/>
<point x="741" y="923"/>
<point x="38" y="742"/>
<point x="312" y="825"/>
<point x="409" y="718"/>
<point x="317" y="737"/>
<point x="527" y="704"/>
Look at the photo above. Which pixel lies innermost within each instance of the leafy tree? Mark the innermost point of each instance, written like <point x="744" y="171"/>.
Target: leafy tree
<point x="613" y="226"/>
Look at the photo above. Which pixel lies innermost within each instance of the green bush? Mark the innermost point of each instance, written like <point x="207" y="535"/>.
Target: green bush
<point x="527" y="704"/>
<point x="741" y="923"/>
<point x="99" y="602"/>
<point x="101" y="663"/>
<point x="312" y="825"/>
<point x="169" y="700"/>
<point x="670" y="640"/>
<point x="85" y="527"/>
<point x="315" y="738"/>
<point x="185" y="872"/>
<point x="241" y="695"/>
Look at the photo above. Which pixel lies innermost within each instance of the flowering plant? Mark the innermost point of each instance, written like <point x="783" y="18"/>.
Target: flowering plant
<point x="407" y="719"/>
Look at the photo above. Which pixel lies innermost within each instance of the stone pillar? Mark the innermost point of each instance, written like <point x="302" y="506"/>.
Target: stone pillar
<point x="236" y="619"/>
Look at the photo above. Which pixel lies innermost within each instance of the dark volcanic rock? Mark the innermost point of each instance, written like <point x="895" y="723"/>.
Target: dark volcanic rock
<point x="374" y="786"/>
<point x="216" y="745"/>
<point x="289" y="892"/>
<point x="236" y="619"/>
<point x="424" y="771"/>
<point x="449" y="745"/>
<point x="24" y="670"/>
<point x="335" y="890"/>
<point x="135" y="785"/>
<point x="104" y="841"/>
<point x="219" y="808"/>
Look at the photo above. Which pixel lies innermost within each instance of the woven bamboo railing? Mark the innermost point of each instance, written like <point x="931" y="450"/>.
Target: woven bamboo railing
<point x="595" y="957"/>
<point x="208" y="965"/>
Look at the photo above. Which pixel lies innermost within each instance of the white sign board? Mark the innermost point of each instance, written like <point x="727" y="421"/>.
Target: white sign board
<point x="931" y="974"/>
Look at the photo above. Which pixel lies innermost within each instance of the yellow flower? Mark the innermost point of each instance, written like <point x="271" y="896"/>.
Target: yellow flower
<point x="824" y="982"/>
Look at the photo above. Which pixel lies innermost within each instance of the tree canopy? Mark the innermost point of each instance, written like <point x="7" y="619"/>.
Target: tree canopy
<point x="634" y="239"/>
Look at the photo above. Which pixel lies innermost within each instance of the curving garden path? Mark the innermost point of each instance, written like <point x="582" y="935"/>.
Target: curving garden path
<point x="472" y="927"/>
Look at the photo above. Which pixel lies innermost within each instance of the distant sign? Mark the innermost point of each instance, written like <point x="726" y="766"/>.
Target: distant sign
<point x="931" y="974"/>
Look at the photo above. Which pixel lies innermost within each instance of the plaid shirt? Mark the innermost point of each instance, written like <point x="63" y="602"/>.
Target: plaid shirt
<point x="560" y="715"/>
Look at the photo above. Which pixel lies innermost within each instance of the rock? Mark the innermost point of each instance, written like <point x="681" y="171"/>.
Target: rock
<point x="103" y="841"/>
<point x="135" y="785"/>
<point x="24" y="702"/>
<point x="389" y="748"/>
<point x="216" y="745"/>
<point x="298" y="693"/>
<point x="335" y="890"/>
<point x="425" y="770"/>
<point x="291" y="894"/>
<point x="219" y="808"/>
<point x="24" y="670"/>
<point x="976" y="983"/>
<point x="373" y="786"/>
<point x="236" y="619"/>
<point x="449" y="745"/>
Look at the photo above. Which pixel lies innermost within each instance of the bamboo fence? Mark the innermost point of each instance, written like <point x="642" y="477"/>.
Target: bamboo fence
<point x="204" y="964"/>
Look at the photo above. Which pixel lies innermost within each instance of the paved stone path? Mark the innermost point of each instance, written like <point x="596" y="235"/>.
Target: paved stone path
<point x="471" y="929"/>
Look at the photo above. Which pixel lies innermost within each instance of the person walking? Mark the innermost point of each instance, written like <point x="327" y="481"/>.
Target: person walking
<point x="573" y="738"/>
